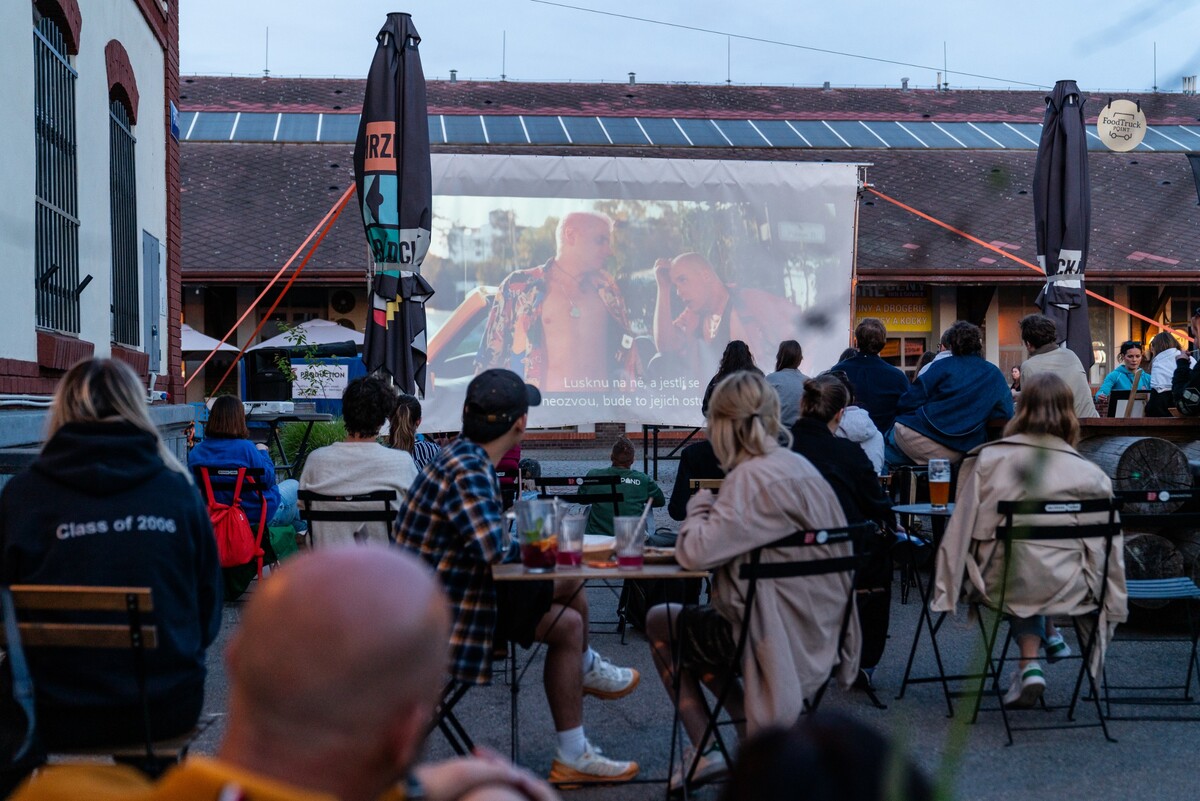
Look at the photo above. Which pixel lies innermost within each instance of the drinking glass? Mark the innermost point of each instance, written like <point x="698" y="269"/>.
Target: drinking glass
<point x="631" y="542"/>
<point x="570" y="540"/>
<point x="535" y="532"/>
<point x="939" y="483"/>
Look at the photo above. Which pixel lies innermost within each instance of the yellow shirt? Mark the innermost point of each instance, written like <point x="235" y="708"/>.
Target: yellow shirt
<point x="197" y="779"/>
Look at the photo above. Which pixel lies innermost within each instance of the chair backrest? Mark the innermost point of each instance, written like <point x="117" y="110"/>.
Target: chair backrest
<point x="696" y="484"/>
<point x="382" y="508"/>
<point x="224" y="478"/>
<point x="613" y="496"/>
<point x="755" y="570"/>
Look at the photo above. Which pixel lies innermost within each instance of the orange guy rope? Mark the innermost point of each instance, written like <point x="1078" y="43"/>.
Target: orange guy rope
<point x="335" y="209"/>
<point x="1020" y="261"/>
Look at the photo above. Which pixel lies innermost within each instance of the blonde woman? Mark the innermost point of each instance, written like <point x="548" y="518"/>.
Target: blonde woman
<point x="106" y="503"/>
<point x="1036" y="459"/>
<point x="769" y="492"/>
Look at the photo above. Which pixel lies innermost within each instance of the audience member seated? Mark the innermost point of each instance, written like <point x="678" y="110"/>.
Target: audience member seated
<point x="737" y="357"/>
<point x="403" y="434"/>
<point x="696" y="461"/>
<point x="946" y="411"/>
<point x="856" y="426"/>
<point x="826" y="757"/>
<point x="1040" y="337"/>
<point x="788" y="380"/>
<point x="227" y="443"/>
<point x="1165" y="355"/>
<point x="311" y="721"/>
<point x="1121" y="379"/>
<point x="854" y="480"/>
<point x="106" y="504"/>
<point x="769" y="492"/>
<point x="635" y="487"/>
<point x="359" y="464"/>
<point x="1036" y="459"/>
<point x="453" y="519"/>
<point x="878" y="386"/>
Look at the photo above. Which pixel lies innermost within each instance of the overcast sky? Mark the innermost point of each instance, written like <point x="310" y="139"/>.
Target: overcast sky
<point x="1102" y="44"/>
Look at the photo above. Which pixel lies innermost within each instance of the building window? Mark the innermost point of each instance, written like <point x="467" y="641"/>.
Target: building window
<point x="123" y="208"/>
<point x="56" y="261"/>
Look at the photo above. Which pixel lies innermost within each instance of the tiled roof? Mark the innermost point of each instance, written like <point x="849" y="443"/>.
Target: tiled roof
<point x="344" y="95"/>
<point x="247" y="206"/>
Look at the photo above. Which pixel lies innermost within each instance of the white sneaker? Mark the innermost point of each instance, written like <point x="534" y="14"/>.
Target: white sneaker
<point x="1026" y="688"/>
<point x="606" y="680"/>
<point x="712" y="766"/>
<point x="591" y="766"/>
<point x="1056" y="649"/>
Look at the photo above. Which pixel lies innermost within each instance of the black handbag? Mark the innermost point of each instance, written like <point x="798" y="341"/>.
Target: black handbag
<point x="20" y="749"/>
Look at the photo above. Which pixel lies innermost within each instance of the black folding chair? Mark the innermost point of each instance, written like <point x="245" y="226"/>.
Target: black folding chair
<point x="1157" y="505"/>
<point x="1012" y="533"/>
<point x="233" y="479"/>
<point x="382" y="508"/>
<point x="752" y="572"/>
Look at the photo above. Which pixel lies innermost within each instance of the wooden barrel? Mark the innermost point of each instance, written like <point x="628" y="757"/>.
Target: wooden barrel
<point x="1141" y="463"/>
<point x="1187" y="543"/>
<point x="1149" y="556"/>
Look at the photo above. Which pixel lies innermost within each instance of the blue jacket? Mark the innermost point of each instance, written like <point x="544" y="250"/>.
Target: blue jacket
<point x="218" y="452"/>
<point x="1122" y="379"/>
<point x="953" y="401"/>
<point x="878" y="387"/>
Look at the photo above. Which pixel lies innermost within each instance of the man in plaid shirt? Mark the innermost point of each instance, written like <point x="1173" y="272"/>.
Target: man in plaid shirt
<point x="453" y="518"/>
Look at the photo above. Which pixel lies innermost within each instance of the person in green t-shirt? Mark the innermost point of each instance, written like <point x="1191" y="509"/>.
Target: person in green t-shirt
<point x="635" y="488"/>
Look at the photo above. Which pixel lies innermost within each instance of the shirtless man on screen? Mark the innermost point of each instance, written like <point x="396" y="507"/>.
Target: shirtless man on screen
<point x="563" y="325"/>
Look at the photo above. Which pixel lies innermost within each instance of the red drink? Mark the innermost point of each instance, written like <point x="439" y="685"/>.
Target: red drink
<point x="570" y="558"/>
<point x="538" y="559"/>
<point x="939" y="494"/>
<point x="630" y="562"/>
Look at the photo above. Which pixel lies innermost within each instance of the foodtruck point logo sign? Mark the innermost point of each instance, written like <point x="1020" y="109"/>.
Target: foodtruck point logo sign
<point x="1121" y="125"/>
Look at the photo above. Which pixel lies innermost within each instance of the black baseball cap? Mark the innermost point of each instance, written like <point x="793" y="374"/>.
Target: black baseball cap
<point x="499" y="396"/>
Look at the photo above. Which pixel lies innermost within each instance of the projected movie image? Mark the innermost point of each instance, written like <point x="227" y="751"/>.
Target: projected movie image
<point x="619" y="307"/>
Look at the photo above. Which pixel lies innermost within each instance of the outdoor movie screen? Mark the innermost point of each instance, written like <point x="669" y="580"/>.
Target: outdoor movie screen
<point x="614" y="284"/>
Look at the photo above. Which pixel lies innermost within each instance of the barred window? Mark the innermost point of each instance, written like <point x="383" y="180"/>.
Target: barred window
<point x="123" y="207"/>
<point x="56" y="249"/>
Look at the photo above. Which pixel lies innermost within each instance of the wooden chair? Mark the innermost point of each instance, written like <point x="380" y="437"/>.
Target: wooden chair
<point x="151" y="756"/>
<point x="697" y="484"/>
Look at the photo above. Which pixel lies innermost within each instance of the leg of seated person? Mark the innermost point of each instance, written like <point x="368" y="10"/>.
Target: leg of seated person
<point x="562" y="630"/>
<point x="662" y="623"/>
<point x="570" y="593"/>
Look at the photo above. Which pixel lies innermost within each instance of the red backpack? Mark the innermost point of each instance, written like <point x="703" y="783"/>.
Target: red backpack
<point x="237" y="543"/>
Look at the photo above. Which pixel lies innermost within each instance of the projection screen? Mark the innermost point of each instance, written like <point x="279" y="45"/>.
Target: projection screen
<point x="615" y="284"/>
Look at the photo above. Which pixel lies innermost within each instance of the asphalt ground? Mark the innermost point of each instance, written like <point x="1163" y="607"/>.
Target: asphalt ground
<point x="1159" y="760"/>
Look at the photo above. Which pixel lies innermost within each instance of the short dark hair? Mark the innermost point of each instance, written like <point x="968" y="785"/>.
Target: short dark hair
<point x="870" y="335"/>
<point x="1038" y="330"/>
<point x="848" y="353"/>
<point x="789" y="356"/>
<point x="367" y="403"/>
<point x="622" y="452"/>
<point x="1130" y="344"/>
<point x="965" y="339"/>
<point x="227" y="419"/>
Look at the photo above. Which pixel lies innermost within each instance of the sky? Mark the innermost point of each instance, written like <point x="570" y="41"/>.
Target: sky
<point x="1101" y="44"/>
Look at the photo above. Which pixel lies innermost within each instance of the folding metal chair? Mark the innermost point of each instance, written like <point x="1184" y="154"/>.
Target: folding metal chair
<point x="235" y="479"/>
<point x="383" y="508"/>
<point x="1011" y="533"/>
<point x="756" y="570"/>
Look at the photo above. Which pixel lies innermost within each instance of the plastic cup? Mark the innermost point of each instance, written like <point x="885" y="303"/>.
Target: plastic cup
<point x="630" y="542"/>
<point x="939" y="483"/>
<point x="570" y="540"/>
<point x="536" y="534"/>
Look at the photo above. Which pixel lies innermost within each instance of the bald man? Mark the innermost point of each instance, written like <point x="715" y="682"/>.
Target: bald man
<point x="335" y="669"/>
<point x="563" y="325"/>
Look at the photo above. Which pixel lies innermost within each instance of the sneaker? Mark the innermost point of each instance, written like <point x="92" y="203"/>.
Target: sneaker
<point x="606" y="680"/>
<point x="1057" y="649"/>
<point x="712" y="766"/>
<point x="590" y="767"/>
<point x="1026" y="688"/>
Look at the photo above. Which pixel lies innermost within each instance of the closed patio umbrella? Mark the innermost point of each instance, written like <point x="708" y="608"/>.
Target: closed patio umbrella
<point x="1062" y="211"/>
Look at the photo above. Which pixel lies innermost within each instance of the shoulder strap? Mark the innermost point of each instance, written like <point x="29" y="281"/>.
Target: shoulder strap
<point x="22" y="683"/>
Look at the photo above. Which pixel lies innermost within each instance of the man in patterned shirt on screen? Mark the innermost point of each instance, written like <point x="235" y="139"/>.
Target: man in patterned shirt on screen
<point x="454" y="520"/>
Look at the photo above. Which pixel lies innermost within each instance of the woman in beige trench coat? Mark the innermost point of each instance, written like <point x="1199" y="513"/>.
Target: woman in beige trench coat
<point x="769" y="492"/>
<point x="1035" y="460"/>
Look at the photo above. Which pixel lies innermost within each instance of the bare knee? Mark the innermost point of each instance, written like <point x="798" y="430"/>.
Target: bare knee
<point x="659" y="620"/>
<point x="562" y="626"/>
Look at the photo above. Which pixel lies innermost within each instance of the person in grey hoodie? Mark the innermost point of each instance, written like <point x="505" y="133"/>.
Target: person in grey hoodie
<point x="857" y="426"/>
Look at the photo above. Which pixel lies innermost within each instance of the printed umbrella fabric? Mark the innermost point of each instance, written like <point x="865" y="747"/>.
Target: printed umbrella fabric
<point x="1062" y="212"/>
<point x="395" y="194"/>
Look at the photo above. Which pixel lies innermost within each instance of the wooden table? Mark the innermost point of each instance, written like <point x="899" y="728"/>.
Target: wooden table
<point x="583" y="573"/>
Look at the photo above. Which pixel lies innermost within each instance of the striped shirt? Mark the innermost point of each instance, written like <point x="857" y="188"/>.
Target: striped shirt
<point x="425" y="451"/>
<point x="453" y="520"/>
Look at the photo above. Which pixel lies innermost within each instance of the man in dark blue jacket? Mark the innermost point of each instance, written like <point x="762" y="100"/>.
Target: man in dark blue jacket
<point x="878" y="386"/>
